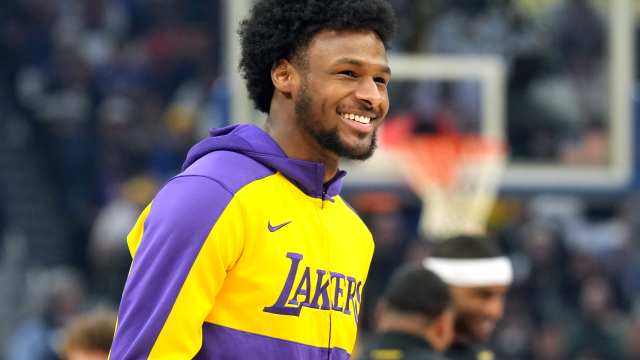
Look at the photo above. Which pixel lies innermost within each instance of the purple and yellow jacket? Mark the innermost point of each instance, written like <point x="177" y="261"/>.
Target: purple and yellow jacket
<point x="246" y="254"/>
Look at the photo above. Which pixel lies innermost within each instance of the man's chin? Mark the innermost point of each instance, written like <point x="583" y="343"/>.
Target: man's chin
<point x="357" y="155"/>
<point x="483" y="331"/>
<point x="358" y="148"/>
<point x="360" y="151"/>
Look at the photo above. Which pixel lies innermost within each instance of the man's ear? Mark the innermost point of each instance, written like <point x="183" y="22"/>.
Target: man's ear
<point x="284" y="77"/>
<point x="444" y="329"/>
<point x="378" y="312"/>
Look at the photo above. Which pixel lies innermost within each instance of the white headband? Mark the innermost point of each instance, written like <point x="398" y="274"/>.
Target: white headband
<point x="472" y="272"/>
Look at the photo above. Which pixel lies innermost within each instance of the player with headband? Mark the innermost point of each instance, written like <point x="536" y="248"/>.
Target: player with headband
<point x="479" y="277"/>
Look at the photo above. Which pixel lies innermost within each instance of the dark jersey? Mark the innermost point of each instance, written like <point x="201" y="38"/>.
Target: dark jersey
<point x="399" y="346"/>
<point x="460" y="351"/>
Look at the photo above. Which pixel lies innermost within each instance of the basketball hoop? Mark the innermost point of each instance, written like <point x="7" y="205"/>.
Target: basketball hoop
<point x="456" y="176"/>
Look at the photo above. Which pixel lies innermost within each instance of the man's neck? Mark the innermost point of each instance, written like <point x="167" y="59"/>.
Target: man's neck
<point x="462" y="339"/>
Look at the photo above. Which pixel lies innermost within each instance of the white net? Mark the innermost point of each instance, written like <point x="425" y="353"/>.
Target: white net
<point x="457" y="178"/>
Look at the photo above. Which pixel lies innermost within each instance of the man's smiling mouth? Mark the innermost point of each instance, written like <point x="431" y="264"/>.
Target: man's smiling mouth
<point x="363" y="119"/>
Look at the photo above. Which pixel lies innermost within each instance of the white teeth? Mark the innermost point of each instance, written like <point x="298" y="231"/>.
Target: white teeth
<point x="358" y="118"/>
<point x="363" y="119"/>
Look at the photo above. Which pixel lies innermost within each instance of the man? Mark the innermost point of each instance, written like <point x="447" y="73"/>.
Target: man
<point x="415" y="318"/>
<point x="478" y="277"/>
<point x="250" y="252"/>
<point x="89" y="336"/>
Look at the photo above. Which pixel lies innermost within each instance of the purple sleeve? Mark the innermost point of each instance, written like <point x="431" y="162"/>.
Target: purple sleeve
<point x="181" y="217"/>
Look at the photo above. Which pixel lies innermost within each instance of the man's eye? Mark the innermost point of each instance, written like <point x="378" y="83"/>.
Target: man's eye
<point x="381" y="80"/>
<point x="348" y="73"/>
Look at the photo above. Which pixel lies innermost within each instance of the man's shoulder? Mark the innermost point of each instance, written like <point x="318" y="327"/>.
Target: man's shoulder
<point x="229" y="169"/>
<point x="207" y="186"/>
<point x="402" y="354"/>
<point x="401" y="346"/>
<point x="470" y="352"/>
<point x="423" y="354"/>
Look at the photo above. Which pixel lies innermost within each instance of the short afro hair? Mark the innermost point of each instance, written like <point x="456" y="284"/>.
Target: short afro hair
<point x="415" y="290"/>
<point x="280" y="29"/>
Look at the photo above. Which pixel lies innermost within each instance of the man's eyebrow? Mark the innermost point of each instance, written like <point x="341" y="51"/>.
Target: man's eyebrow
<point x="356" y="62"/>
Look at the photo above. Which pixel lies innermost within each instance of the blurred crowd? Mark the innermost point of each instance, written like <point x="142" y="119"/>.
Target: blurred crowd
<point x="109" y="94"/>
<point x="557" y="99"/>
<point x="106" y="96"/>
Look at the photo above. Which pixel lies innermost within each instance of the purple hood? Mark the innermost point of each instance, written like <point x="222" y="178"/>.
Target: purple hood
<point x="255" y="143"/>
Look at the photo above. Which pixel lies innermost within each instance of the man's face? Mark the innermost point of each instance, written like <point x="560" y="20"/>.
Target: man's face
<point x="342" y="99"/>
<point x="478" y="310"/>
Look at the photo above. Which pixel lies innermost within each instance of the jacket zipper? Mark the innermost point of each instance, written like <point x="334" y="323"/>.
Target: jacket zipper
<point x="323" y="198"/>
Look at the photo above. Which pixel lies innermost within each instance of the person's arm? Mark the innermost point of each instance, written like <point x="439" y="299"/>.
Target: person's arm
<point x="183" y="246"/>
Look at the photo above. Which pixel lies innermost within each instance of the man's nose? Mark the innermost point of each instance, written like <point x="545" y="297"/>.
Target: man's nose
<point x="495" y="308"/>
<point x="369" y="92"/>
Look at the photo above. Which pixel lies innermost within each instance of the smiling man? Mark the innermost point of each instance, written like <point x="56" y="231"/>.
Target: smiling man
<point x="479" y="278"/>
<point x="250" y="252"/>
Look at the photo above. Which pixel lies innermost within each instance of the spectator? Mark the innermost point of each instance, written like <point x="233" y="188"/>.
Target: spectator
<point x="415" y="317"/>
<point x="109" y="254"/>
<point x="59" y="295"/>
<point x="89" y="336"/>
